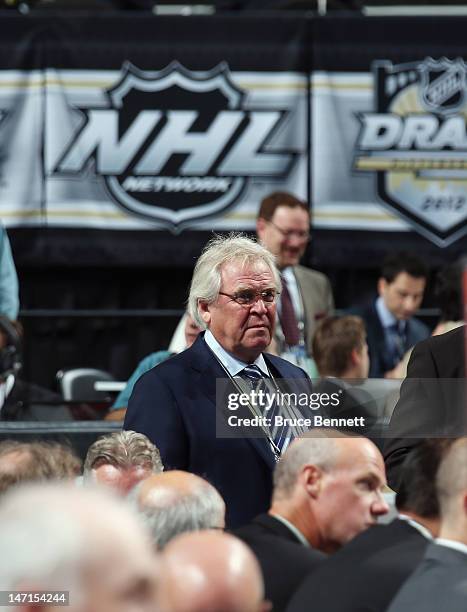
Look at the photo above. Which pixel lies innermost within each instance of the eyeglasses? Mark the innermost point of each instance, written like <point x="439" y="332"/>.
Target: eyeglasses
<point x="288" y="234"/>
<point x="248" y="297"/>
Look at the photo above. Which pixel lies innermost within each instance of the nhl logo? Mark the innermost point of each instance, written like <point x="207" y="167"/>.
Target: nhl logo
<point x="443" y="84"/>
<point x="175" y="146"/>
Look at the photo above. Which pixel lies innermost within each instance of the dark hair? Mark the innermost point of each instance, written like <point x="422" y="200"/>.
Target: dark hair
<point x="417" y="491"/>
<point x="334" y="340"/>
<point x="276" y="199"/>
<point x="403" y="261"/>
<point x="448" y="292"/>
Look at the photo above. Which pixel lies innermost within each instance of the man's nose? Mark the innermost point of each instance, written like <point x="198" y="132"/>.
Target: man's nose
<point x="380" y="505"/>
<point x="259" y="306"/>
<point x="294" y="240"/>
<point x="410" y="304"/>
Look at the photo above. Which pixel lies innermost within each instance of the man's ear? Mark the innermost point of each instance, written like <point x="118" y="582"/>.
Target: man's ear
<point x="355" y="357"/>
<point x="260" y="227"/>
<point x="464" y="503"/>
<point x="311" y="479"/>
<point x="382" y="285"/>
<point x="204" y="311"/>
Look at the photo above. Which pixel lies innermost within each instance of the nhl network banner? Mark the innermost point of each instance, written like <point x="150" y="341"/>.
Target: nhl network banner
<point x="153" y="143"/>
<point x="167" y="129"/>
<point x="171" y="147"/>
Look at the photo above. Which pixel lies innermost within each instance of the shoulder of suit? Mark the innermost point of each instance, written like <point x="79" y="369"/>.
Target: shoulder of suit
<point x="366" y="311"/>
<point x="363" y="308"/>
<point x="301" y="272"/>
<point x="452" y="340"/>
<point x="419" y="327"/>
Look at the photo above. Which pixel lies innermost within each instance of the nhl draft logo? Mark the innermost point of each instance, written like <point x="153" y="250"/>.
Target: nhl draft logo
<point x="443" y="85"/>
<point x="177" y="145"/>
<point x="416" y="143"/>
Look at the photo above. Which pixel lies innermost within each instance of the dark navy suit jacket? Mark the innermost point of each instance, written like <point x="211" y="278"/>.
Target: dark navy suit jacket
<point x="380" y="359"/>
<point x="174" y="404"/>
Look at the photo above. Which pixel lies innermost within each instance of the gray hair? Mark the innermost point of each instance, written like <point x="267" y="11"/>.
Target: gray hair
<point x="35" y="461"/>
<point x="320" y="451"/>
<point x="206" y="281"/>
<point x="123" y="449"/>
<point x="200" y="508"/>
<point x="451" y="479"/>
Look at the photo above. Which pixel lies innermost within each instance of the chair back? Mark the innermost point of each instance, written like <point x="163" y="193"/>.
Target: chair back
<point x="78" y="384"/>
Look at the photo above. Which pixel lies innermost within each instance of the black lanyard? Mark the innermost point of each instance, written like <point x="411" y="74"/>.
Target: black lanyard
<point x="274" y="448"/>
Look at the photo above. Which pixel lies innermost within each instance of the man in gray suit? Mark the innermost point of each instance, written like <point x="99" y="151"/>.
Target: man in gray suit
<point x="283" y="227"/>
<point x="440" y="582"/>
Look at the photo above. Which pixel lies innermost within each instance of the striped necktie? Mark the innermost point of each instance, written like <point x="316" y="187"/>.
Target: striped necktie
<point x="257" y="381"/>
<point x="398" y="342"/>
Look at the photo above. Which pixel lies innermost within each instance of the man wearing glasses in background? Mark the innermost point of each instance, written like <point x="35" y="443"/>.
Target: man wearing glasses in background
<point x="233" y="297"/>
<point x="283" y="227"/>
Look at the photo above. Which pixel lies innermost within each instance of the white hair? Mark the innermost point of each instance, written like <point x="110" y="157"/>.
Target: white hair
<point x="202" y="507"/>
<point x="206" y="281"/>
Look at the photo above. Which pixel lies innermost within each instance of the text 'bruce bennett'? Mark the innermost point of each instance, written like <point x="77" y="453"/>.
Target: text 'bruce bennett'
<point x="280" y="421"/>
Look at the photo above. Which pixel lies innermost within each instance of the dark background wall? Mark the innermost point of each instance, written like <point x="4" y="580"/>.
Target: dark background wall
<point x="117" y="342"/>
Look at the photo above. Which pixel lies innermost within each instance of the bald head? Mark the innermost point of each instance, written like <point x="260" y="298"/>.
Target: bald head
<point x="175" y="502"/>
<point x="58" y="537"/>
<point x="210" y="572"/>
<point x="451" y="486"/>
<point x="320" y="451"/>
<point x="330" y="486"/>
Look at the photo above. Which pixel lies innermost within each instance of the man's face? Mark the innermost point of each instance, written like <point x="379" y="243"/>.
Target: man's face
<point x="244" y="331"/>
<point x="191" y="331"/>
<point x="123" y="576"/>
<point x="286" y="235"/>
<point x="403" y="296"/>
<point x="119" y="479"/>
<point x="350" y="498"/>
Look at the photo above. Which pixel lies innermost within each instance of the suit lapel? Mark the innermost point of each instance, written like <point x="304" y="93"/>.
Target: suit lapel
<point x="411" y="337"/>
<point x="204" y="362"/>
